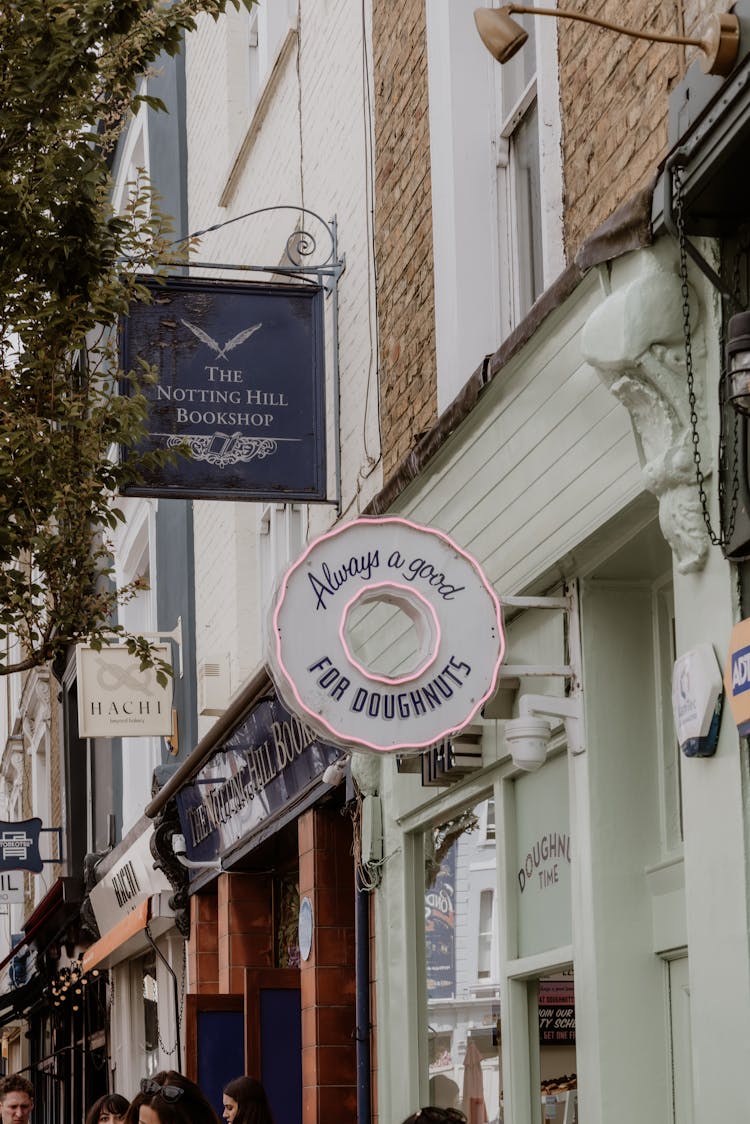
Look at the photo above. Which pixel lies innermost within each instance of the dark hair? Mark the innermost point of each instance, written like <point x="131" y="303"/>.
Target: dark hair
<point x="112" y="1103"/>
<point x="15" y="1083"/>
<point x="252" y="1102"/>
<point x="182" y="1102"/>
<point x="431" y="1114"/>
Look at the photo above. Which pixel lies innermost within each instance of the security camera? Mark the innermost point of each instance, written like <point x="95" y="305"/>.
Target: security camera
<point x="336" y="772"/>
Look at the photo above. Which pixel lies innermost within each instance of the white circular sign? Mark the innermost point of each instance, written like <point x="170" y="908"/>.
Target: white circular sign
<point x="455" y="627"/>
<point x="305" y="928"/>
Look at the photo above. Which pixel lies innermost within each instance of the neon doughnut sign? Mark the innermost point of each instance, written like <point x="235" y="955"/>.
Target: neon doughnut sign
<point x="385" y="593"/>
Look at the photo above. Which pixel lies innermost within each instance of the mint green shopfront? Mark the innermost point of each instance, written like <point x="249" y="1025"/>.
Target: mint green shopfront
<point x="567" y="944"/>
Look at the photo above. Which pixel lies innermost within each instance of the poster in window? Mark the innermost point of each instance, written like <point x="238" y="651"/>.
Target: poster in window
<point x="440" y="930"/>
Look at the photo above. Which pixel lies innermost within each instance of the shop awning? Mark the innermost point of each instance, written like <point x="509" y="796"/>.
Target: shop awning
<point x="15" y="1003"/>
<point x="59" y="905"/>
<point x="126" y="938"/>
<point x="118" y="935"/>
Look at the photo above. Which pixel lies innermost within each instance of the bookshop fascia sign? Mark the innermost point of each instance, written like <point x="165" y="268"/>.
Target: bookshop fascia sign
<point x="432" y="589"/>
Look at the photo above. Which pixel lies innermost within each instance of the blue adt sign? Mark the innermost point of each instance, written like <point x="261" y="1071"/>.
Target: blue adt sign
<point x="740" y="671"/>
<point x="241" y="387"/>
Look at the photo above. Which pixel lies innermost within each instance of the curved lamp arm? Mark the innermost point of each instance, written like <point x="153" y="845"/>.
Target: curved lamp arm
<point x="502" y="36"/>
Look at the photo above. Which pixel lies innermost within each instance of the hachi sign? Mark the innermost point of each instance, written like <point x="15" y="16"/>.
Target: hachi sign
<point x="347" y="583"/>
<point x="118" y="700"/>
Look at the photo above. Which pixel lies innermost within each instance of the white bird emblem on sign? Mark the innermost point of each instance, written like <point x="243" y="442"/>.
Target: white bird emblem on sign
<point x="221" y="352"/>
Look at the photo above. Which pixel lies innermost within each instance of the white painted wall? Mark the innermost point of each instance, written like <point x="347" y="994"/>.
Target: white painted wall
<point x="307" y="145"/>
<point x="544" y="476"/>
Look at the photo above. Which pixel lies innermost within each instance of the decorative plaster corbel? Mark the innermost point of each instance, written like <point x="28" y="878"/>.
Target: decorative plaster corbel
<point x="634" y="340"/>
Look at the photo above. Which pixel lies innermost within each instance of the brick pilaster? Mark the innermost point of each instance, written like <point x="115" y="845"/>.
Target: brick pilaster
<point x="329" y="1089"/>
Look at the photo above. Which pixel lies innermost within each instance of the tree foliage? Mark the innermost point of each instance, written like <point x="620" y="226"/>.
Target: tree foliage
<point x="69" y="80"/>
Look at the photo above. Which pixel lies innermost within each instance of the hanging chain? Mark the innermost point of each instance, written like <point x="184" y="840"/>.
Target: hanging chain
<point x="179" y="1013"/>
<point x="725" y="535"/>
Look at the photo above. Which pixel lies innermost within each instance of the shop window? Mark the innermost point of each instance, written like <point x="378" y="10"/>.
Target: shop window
<point x="462" y="1020"/>
<point x="554" y="1014"/>
<point x="488" y="820"/>
<point x="286" y="920"/>
<point x="520" y="185"/>
<point x="150" y="1014"/>
<point x="484" y="939"/>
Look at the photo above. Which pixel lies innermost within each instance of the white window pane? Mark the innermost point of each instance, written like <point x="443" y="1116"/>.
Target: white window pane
<point x="528" y="209"/>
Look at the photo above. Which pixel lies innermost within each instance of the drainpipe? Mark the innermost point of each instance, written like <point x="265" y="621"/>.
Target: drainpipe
<point x="362" y="1000"/>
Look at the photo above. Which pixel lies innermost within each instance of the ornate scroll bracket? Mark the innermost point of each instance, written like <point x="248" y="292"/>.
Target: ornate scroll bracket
<point x="634" y="341"/>
<point x="310" y="251"/>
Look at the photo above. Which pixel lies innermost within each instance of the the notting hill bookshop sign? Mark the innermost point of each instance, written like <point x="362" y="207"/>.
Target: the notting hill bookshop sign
<point x="241" y="386"/>
<point x="269" y="761"/>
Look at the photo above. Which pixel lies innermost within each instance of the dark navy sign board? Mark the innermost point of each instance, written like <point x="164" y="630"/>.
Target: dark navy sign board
<point x="268" y="761"/>
<point x="19" y="846"/>
<point x="241" y="383"/>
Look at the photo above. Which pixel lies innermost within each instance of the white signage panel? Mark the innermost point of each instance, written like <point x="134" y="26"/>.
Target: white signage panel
<point x="116" y="699"/>
<point x="132" y="880"/>
<point x="543" y="858"/>
<point x="11" y="889"/>
<point x="457" y="641"/>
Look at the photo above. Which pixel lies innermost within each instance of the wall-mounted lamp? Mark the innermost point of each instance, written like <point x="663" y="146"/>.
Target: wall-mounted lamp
<point x="738" y="363"/>
<point x="502" y="36"/>
<point x="528" y="737"/>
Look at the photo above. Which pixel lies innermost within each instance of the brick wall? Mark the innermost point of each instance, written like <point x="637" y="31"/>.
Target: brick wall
<point x="614" y="94"/>
<point x="403" y="227"/>
<point x="327" y="978"/>
<point x="203" y="947"/>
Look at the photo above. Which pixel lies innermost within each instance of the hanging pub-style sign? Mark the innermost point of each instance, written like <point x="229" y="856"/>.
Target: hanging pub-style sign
<point x="241" y="388"/>
<point x="118" y="700"/>
<point x="19" y="845"/>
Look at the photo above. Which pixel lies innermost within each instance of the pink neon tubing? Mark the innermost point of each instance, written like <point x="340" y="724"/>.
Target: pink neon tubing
<point x="318" y="718"/>
<point x="410" y="593"/>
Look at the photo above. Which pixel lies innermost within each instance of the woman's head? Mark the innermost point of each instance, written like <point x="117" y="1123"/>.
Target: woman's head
<point x="245" y="1102"/>
<point x="170" y="1098"/>
<point x="109" y="1109"/>
<point x="430" y="1114"/>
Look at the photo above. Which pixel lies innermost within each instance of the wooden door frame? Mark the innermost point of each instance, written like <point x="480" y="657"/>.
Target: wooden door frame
<point x="195" y="1004"/>
<point x="257" y="980"/>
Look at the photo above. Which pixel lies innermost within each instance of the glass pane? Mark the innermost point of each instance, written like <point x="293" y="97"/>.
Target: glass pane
<point x="557" y="1049"/>
<point x="150" y="1014"/>
<point x="463" y="995"/>
<point x="490" y="827"/>
<point x="528" y="209"/>
<point x="484" y="953"/>
<point x="286" y="920"/>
